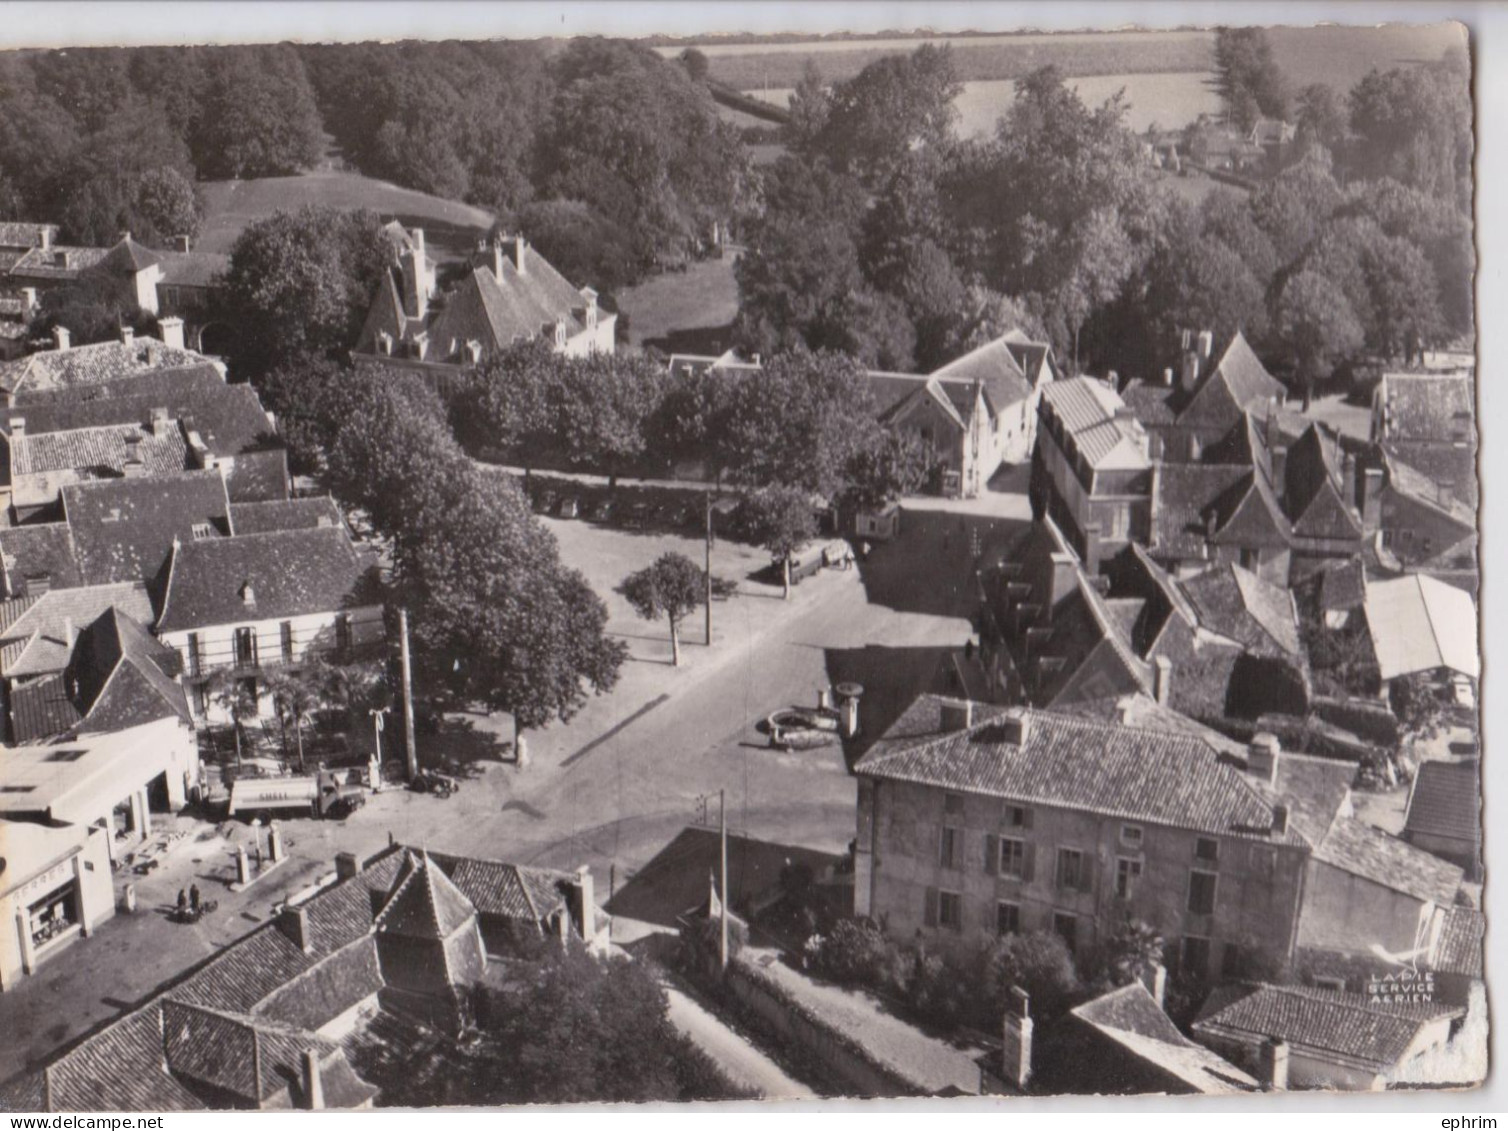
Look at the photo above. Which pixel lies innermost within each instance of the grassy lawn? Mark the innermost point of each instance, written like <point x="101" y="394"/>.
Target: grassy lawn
<point x="687" y="312"/>
<point x="450" y="227"/>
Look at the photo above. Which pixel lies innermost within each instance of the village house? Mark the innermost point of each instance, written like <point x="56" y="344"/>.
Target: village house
<point x="175" y="282"/>
<point x="1125" y="1044"/>
<point x="971" y="416"/>
<point x="1092" y="469"/>
<point x="976" y="820"/>
<point x="510" y="294"/>
<point x="234" y="605"/>
<point x="55" y="890"/>
<point x="267" y="1021"/>
<point x="1326" y="1038"/>
<point x="1421" y="525"/>
<point x="1428" y="421"/>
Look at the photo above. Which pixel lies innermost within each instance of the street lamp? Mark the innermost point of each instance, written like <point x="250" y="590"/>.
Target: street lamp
<point x="256" y="826"/>
<point x="377" y="713"/>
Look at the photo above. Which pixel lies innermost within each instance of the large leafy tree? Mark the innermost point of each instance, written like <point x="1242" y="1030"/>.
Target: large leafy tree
<point x="894" y="108"/>
<point x="258" y="117"/>
<point x="1415" y="125"/>
<point x="798" y="422"/>
<point x="301" y="282"/>
<point x="781" y="520"/>
<point x="672" y="586"/>
<point x="498" y="619"/>
<point x="1247" y="77"/>
<point x="1317" y="325"/>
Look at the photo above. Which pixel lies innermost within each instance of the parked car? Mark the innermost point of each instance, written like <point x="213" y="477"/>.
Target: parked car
<point x="570" y="507"/>
<point x="427" y="781"/>
<point x="601" y="511"/>
<point x="545" y="502"/>
<point x="344" y="806"/>
<point x="637" y="517"/>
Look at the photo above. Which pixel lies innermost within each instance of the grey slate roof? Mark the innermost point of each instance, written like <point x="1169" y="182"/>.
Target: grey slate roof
<point x="124" y="529"/>
<point x="1446" y="801"/>
<point x="285" y="514"/>
<point x="36" y="551"/>
<point x="209" y="581"/>
<point x="1133" y="1020"/>
<point x="1360" y="850"/>
<point x="1326" y="1021"/>
<point x="1158" y="776"/>
<point x="1235" y="602"/>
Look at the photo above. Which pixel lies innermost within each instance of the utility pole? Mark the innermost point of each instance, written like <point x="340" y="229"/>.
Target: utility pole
<point x="408" y="696"/>
<point x="708" y="595"/>
<point x="722" y="822"/>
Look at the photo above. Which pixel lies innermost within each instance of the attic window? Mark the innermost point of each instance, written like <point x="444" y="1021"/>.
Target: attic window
<point x="248" y="594"/>
<point x="203" y="530"/>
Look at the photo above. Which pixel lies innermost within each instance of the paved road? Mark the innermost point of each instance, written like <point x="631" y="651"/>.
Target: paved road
<point x="742" y="1062"/>
<point x="610" y="788"/>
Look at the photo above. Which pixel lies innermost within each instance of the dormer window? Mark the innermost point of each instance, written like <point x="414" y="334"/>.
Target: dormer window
<point x="203" y="530"/>
<point x="560" y="335"/>
<point x="248" y="594"/>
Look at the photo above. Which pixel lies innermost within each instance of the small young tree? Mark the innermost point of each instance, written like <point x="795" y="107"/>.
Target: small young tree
<point x="1132" y="952"/>
<point x="781" y="521"/>
<point x="672" y="586"/>
<point x="294" y="697"/>
<point x="234" y="696"/>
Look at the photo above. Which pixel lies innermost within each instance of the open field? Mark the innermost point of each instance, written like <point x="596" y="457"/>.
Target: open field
<point x="1335" y="55"/>
<point x="690" y="312"/>
<point x="450" y="227"/>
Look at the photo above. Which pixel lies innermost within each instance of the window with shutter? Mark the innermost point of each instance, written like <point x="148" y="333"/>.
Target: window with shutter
<point x="1207" y="849"/>
<point x="948" y="848"/>
<point x="950" y="910"/>
<point x="1007" y="918"/>
<point x="1202" y="892"/>
<point x="1013" y="858"/>
<point x="929" y="909"/>
<point x="1029" y="872"/>
<point x="1071" y="870"/>
<point x="991" y="854"/>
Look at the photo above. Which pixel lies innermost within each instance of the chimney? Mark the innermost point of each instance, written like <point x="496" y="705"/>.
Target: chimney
<point x="958" y="715"/>
<point x="1206" y="344"/>
<point x="1016" y="724"/>
<point x="1113" y="379"/>
<point x="584" y="902"/>
<point x="347" y="867"/>
<point x="1279" y="820"/>
<point x="172" y="332"/>
<point x="519" y="247"/>
<point x="294" y="922"/>
<point x="1063" y="576"/>
<point x="17" y="426"/>
<point x="1274" y="1056"/>
<point x="46" y="234"/>
<point x="1016" y="1039"/>
<point x="127" y="334"/>
<point x="182" y="243"/>
<point x="1163" y="679"/>
<point x="61" y="338"/>
<point x="314" y="1086"/>
<point x="1262" y="756"/>
<point x="28" y="300"/>
<point x="1167" y="377"/>
<point x="498" y="258"/>
<point x="1279" y="453"/>
<point x="1186" y="341"/>
<point x="161" y="422"/>
<point x="415" y="294"/>
<point x="1190" y="375"/>
<point x="68" y="631"/>
<point x="1156" y="980"/>
<point x="1092" y="548"/>
<point x="1370" y="502"/>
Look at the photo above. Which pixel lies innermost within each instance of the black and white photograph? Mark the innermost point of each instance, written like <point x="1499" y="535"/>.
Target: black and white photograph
<point x="678" y="562"/>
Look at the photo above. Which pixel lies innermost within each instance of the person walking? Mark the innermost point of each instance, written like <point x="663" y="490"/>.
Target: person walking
<point x="194" y="898"/>
<point x="182" y="902"/>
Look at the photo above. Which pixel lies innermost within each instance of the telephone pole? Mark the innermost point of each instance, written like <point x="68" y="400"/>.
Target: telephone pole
<point x="722" y="823"/>
<point x="707" y="596"/>
<point x="408" y="696"/>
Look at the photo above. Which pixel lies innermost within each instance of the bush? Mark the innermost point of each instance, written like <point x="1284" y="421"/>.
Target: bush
<point x="854" y="951"/>
<point x="1364" y="717"/>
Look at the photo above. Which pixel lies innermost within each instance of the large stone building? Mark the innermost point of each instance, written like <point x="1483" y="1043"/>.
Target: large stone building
<point x="975" y="821"/>
<point x="509" y="294"/>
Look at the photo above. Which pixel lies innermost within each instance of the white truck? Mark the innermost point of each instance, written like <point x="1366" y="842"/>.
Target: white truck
<point x="317" y="795"/>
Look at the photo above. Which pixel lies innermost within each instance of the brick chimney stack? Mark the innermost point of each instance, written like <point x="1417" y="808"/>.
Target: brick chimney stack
<point x="1016" y="1043"/>
<point x="1262" y="757"/>
<point x="1274" y="1056"/>
<point x="314" y="1085"/>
